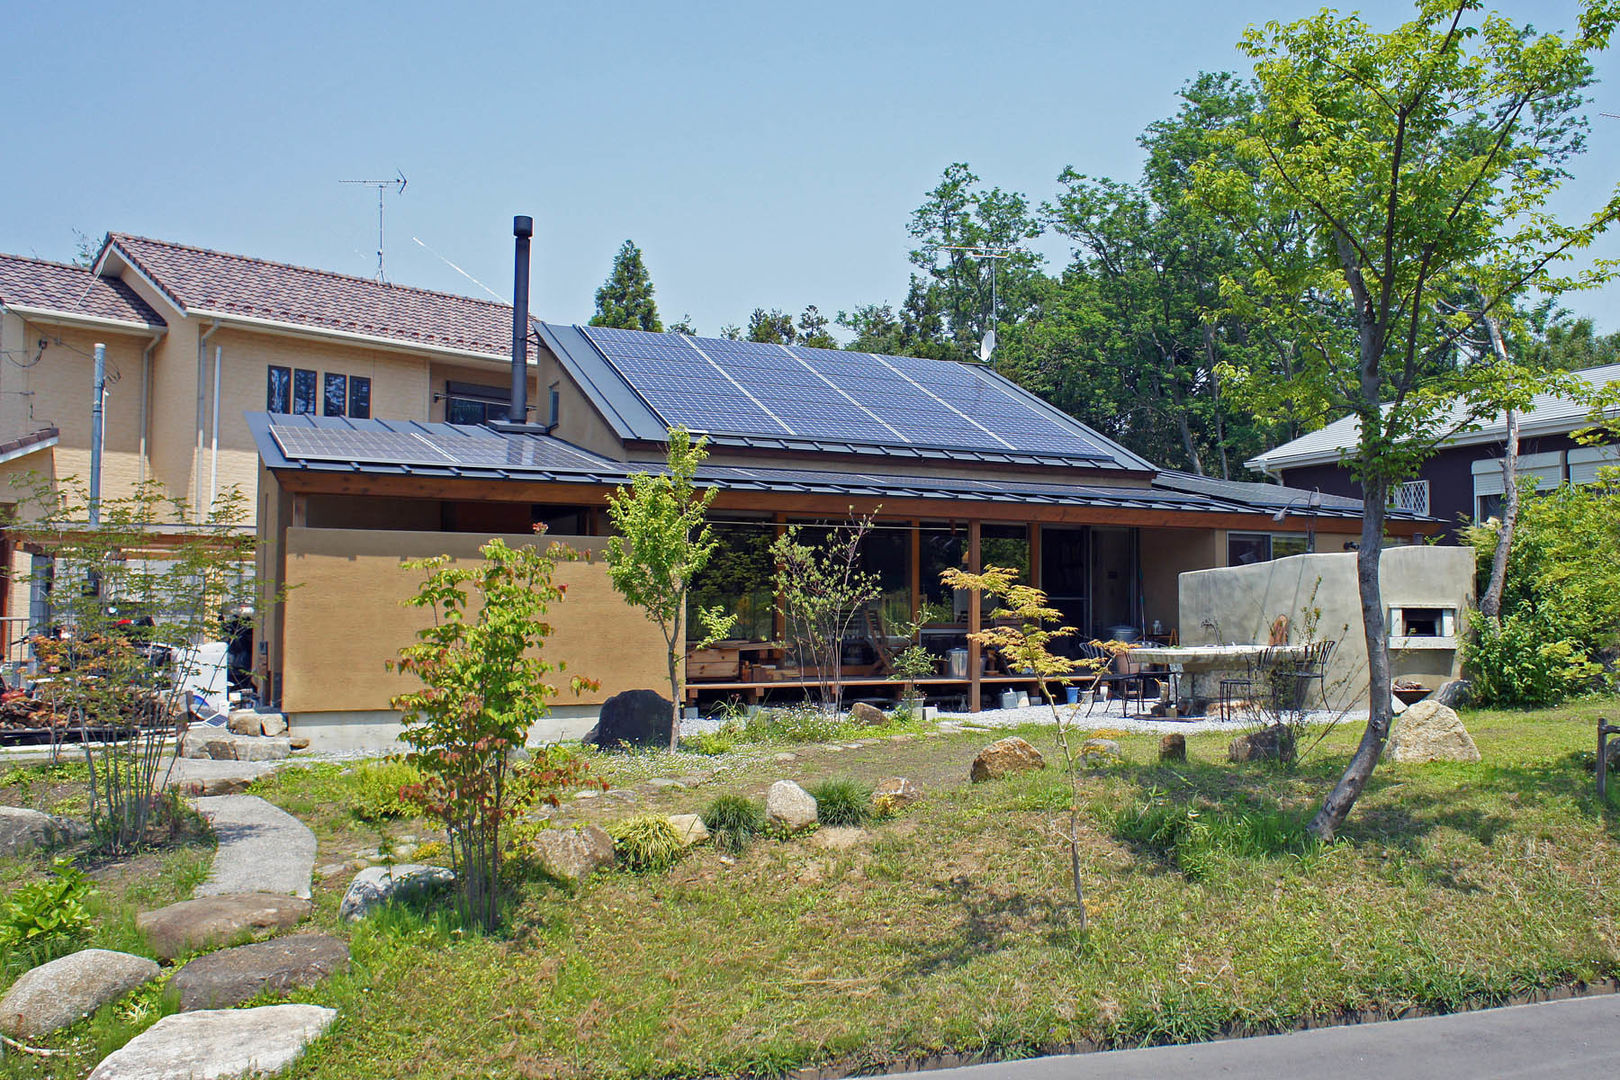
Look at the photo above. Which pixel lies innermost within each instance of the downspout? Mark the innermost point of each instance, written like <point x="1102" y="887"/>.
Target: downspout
<point x="213" y="446"/>
<point x="202" y="384"/>
<point x="146" y="399"/>
<point x="98" y="391"/>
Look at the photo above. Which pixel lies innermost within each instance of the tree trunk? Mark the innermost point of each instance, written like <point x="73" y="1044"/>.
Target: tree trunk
<point x="1182" y="427"/>
<point x="675" y="700"/>
<point x="1490" y="605"/>
<point x="1344" y="794"/>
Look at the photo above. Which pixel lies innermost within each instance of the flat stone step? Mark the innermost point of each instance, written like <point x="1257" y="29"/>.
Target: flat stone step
<point x="204" y="776"/>
<point x="218" y="1043"/>
<point x="262" y="848"/>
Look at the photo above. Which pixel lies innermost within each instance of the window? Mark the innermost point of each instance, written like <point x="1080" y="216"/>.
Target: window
<point x="359" y="397"/>
<point x="556" y="406"/>
<point x="472" y="403"/>
<point x="337" y="395"/>
<point x="304" y="390"/>
<point x="1406" y="623"/>
<point x="278" y="390"/>
<point x="1246" y="549"/>
<point x="1412" y="496"/>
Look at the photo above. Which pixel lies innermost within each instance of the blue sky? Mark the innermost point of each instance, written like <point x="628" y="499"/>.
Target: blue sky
<point x="761" y="154"/>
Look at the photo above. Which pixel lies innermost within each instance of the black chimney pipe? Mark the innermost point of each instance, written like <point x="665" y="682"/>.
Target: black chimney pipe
<point x="522" y="228"/>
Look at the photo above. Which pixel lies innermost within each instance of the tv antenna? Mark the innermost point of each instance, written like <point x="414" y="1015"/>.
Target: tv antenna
<point x="988" y="345"/>
<point x="382" y="187"/>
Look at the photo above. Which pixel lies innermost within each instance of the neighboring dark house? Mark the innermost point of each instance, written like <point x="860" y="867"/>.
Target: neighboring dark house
<point x="1463" y="481"/>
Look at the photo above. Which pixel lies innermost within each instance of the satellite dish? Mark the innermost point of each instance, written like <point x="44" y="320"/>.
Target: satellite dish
<point x="988" y="345"/>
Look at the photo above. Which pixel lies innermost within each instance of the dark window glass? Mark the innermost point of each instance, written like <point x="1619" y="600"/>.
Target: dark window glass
<point x="467" y="410"/>
<point x="738" y="580"/>
<point x="337" y="395"/>
<point x="1246" y="549"/>
<point x="278" y="390"/>
<point x="360" y="397"/>
<point x="305" y="385"/>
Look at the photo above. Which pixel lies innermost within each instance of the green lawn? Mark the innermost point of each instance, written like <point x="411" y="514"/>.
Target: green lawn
<point x="949" y="928"/>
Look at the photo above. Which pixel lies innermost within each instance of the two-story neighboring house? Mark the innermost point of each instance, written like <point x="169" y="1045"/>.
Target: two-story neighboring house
<point x="194" y="340"/>
<point x="1462" y="482"/>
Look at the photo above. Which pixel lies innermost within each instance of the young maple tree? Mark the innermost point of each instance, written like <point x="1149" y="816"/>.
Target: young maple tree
<point x="663" y="542"/>
<point x="1421" y="161"/>
<point x="485" y="683"/>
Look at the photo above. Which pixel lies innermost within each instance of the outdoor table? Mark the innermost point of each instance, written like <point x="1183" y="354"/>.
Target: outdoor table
<point x="1189" y="659"/>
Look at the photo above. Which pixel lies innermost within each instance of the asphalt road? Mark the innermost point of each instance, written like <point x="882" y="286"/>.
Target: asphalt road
<point x="1575" y="1038"/>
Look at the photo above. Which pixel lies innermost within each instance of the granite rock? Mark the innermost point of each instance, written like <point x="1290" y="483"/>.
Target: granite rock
<point x="68" y="989"/>
<point x="229" y="977"/>
<point x="1005" y="757"/>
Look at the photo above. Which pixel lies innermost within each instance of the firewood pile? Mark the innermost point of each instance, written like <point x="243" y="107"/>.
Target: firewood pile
<point x="21" y="711"/>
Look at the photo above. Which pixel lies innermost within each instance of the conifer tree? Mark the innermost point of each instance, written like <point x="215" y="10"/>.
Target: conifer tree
<point x="625" y="299"/>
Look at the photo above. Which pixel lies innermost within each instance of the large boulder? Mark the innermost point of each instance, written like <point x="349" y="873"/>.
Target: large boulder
<point x="66" y="990"/>
<point x="690" y="827"/>
<point x="254" y="722"/>
<point x="1005" y="757"/>
<point x="193" y="925"/>
<point x="1274" y="743"/>
<point x="1430" y="731"/>
<point x="1453" y="694"/>
<point x="789" y="806"/>
<point x="572" y="855"/>
<point x="23" y="830"/>
<point x="229" y="977"/>
<point x="867" y="715"/>
<point x="634" y="718"/>
<point x="378" y="885"/>
<point x="217" y="1043"/>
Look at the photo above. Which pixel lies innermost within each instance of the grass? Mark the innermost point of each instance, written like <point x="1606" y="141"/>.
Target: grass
<point x="948" y="928"/>
<point x="843" y="800"/>
<point x="733" y="821"/>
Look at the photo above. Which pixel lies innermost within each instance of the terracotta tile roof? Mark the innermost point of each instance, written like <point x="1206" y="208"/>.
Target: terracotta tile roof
<point x="71" y="290"/>
<point x="200" y="279"/>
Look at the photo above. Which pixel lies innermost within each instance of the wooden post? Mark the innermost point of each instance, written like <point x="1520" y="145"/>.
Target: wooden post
<point x="1034" y="534"/>
<point x="300" y="510"/>
<point x="974" y="615"/>
<point x="778" y="616"/>
<point x="916" y="569"/>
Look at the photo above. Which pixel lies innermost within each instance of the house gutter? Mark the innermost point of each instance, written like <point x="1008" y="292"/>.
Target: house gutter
<point x="319" y="333"/>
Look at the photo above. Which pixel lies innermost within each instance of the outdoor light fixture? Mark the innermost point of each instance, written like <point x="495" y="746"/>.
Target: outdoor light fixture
<point x="1314" y="501"/>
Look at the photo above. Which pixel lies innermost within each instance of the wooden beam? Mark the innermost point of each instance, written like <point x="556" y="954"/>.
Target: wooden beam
<point x="838" y="506"/>
<point x="975" y="615"/>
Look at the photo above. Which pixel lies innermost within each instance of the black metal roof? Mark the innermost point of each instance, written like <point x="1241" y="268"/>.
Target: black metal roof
<point x="319" y="444"/>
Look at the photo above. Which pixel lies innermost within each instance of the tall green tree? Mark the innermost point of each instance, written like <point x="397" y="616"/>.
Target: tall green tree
<point x="773" y="327"/>
<point x="958" y="224"/>
<point x="625" y="299"/>
<point x="1421" y="160"/>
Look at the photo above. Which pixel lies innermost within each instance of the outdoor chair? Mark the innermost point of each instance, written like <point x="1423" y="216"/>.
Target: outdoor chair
<point x="1122" y="675"/>
<point x="1240" y="688"/>
<point x="1292" y="679"/>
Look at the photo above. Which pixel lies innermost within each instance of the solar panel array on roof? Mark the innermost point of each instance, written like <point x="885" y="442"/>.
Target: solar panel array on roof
<point x="432" y="448"/>
<point x="747" y="388"/>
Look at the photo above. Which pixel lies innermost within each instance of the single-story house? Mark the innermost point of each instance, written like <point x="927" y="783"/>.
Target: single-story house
<point x="1462" y="482"/>
<point x="960" y="466"/>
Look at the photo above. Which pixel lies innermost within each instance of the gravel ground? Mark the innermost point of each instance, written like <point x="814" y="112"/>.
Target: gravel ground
<point x="1099" y="720"/>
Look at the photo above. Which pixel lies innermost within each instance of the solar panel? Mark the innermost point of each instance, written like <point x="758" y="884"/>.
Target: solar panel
<point x="431" y="448"/>
<point x="745" y="388"/>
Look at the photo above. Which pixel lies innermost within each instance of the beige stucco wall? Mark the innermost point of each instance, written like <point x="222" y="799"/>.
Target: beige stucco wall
<point x="1243" y="601"/>
<point x="343" y="617"/>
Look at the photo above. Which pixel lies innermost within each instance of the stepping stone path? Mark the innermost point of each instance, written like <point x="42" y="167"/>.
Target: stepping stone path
<point x="378" y="885"/>
<point x="217" y="1043"/>
<point x="262" y="848"/>
<point x="68" y="989"/>
<point x="24" y="830"/>
<point x="204" y="776"/>
<point x="231" y="976"/>
<point x="197" y="924"/>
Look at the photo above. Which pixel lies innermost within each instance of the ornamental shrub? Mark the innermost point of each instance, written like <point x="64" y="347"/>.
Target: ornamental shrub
<point x="733" y="820"/>
<point x="842" y="801"/>
<point x="647" y="843"/>
<point x="1561" y="604"/>
<point x="46" y="915"/>
<point x="379" y="787"/>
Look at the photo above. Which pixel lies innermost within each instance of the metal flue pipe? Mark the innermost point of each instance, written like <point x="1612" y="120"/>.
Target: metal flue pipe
<point x="522" y="230"/>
